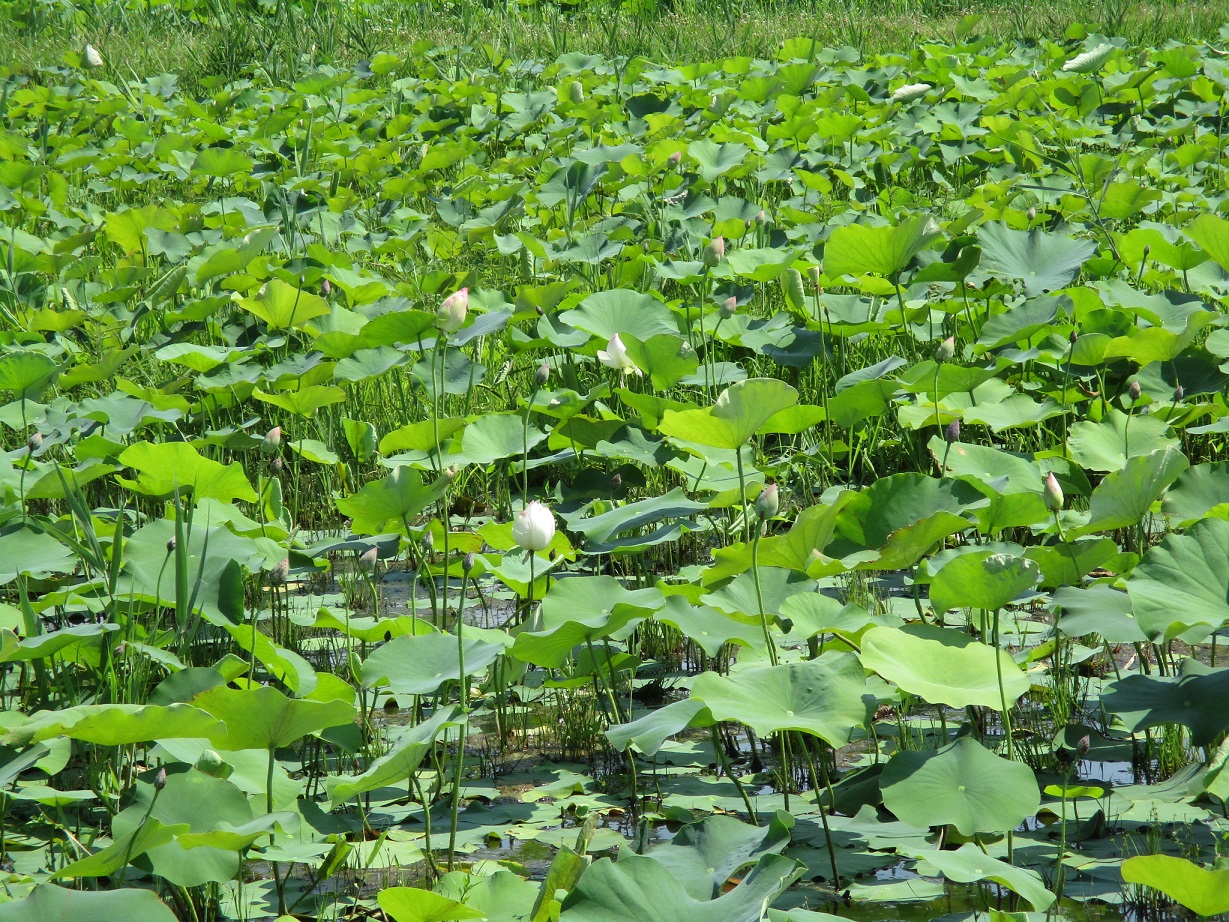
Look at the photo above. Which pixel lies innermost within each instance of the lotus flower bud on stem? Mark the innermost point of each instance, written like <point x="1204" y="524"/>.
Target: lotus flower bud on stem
<point x="1082" y="747"/>
<point x="428" y="541"/>
<point x="35" y="443"/>
<point x="946" y="351"/>
<point x="1073" y="336"/>
<point x="533" y="529"/>
<point x="616" y="481"/>
<point x="170" y="545"/>
<point x="815" y="274"/>
<point x="714" y="252"/>
<point x="768" y="502"/>
<point x="326" y="288"/>
<point x="728" y="307"/>
<point x="952" y="432"/>
<point x="467" y="562"/>
<point x="1134" y="391"/>
<point x="1053" y="493"/>
<point x="160" y="779"/>
<point x="1179" y="393"/>
<point x="542" y="375"/>
<point x="450" y="315"/>
<point x="279" y="574"/>
<point x="761" y="217"/>
<point x="367" y="560"/>
<point x="675" y="159"/>
<point x="276" y="465"/>
<point x="1032" y="214"/>
<point x="272" y="441"/>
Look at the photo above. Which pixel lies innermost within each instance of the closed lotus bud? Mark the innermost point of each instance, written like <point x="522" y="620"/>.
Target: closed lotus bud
<point x="279" y="574"/>
<point x="1147" y="250"/>
<point x="768" y="502"/>
<point x="467" y="562"/>
<point x="728" y="307"/>
<point x="533" y="529"/>
<point x="1032" y="214"/>
<point x="90" y="58"/>
<point x="1134" y="391"/>
<point x="326" y="288"/>
<point x="1074" y="335"/>
<point x="367" y="559"/>
<point x="761" y="217"/>
<point x="676" y="158"/>
<point x="814" y="274"/>
<point x="952" y="432"/>
<point x="1179" y="393"/>
<point x="1053" y="493"/>
<point x="542" y="375"/>
<point x="1082" y="747"/>
<point x="35" y="443"/>
<point x="276" y="465"/>
<point x="947" y="350"/>
<point x="160" y="779"/>
<point x="170" y="545"/>
<point x="272" y="441"/>
<point x="451" y="472"/>
<point x="714" y="252"/>
<point x="616" y="481"/>
<point x="450" y="315"/>
<point x="576" y="92"/>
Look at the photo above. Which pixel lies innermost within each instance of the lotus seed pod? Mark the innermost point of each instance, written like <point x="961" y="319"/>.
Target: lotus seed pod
<point x="1053" y="493"/>
<point x="714" y="252"/>
<point x="946" y="351"/>
<point x="768" y="502"/>
<point x="428" y="541"/>
<point x="728" y="308"/>
<point x="952" y="432"/>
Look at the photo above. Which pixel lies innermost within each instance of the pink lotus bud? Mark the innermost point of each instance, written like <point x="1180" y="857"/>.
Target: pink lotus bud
<point x="714" y="252"/>
<point x="367" y="560"/>
<point x="1053" y="493"/>
<point x="946" y="351"/>
<point x="728" y="308"/>
<point x="768" y="502"/>
<point x="450" y="315"/>
<point x="272" y="441"/>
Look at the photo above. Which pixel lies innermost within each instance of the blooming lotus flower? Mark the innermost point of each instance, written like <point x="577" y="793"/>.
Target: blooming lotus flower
<point x="910" y="92"/>
<point x="90" y="58"/>
<point x="534" y="527"/>
<point x="1053" y="493"/>
<point x="450" y="315"/>
<point x="615" y="356"/>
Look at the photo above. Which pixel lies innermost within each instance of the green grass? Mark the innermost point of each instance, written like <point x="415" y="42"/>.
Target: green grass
<point x="227" y="39"/>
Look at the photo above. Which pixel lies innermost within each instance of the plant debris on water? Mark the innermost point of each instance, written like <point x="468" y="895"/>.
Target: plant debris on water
<point x="601" y="489"/>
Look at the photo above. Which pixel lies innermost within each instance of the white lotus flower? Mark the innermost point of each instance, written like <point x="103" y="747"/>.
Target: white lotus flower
<point x="90" y="58"/>
<point x="534" y="527"/>
<point x="910" y="92"/>
<point x="615" y="356"/>
<point x="450" y="315"/>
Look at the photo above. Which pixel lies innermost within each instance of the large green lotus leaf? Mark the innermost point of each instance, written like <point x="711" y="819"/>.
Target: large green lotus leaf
<point x="214" y="554"/>
<point x="810" y="533"/>
<point x="33" y="553"/>
<point x="982" y="580"/>
<point x="1194" y="701"/>
<point x="650" y="732"/>
<point x="26" y="373"/>
<point x="47" y="903"/>
<point x="116" y="724"/>
<point x="740" y="599"/>
<point x="498" y="435"/>
<point x="709" y="628"/>
<point x="389" y="504"/>
<point x="200" y="802"/>
<point x="856" y="249"/>
<point x="411" y="904"/>
<point x="593" y="597"/>
<point x="1108" y="444"/>
<point x="1098" y="609"/>
<point x="167" y="466"/>
<point x="666" y="358"/>
<point x="405" y="753"/>
<point x="1041" y="262"/>
<point x="969" y="864"/>
<point x="551" y="648"/>
<point x="1181" y="587"/>
<point x="598" y="530"/>
<point x="825" y="697"/>
<point x="1066" y="563"/>
<point x="1125" y="496"/>
<point x="1212" y="233"/>
<point x="619" y="311"/>
<point x="896" y="520"/>
<point x="221" y="162"/>
<point x="739" y="412"/>
<point x="368" y="364"/>
<point x="403" y="326"/>
<point x="288" y="667"/>
<point x="716" y="159"/>
<point x="703" y="856"/>
<point x="1021" y="322"/>
<point x="1009" y="472"/>
<point x="106" y="861"/>
<point x="283" y="306"/>
<point x="419" y="664"/>
<point x="264" y="718"/>
<point x="637" y="888"/>
<point x="303" y="401"/>
<point x="1200" y="491"/>
<point x="942" y="665"/>
<point x="1203" y="892"/>
<point x="77" y="639"/>
<point x="964" y="785"/>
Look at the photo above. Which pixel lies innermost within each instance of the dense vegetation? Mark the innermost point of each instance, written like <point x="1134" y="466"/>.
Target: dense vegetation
<point x="461" y="486"/>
